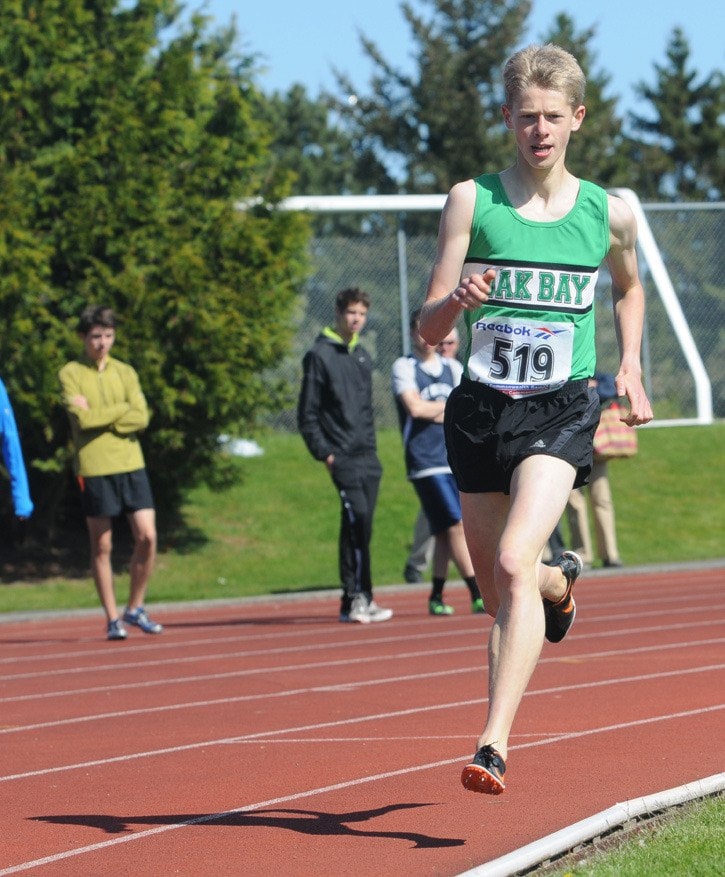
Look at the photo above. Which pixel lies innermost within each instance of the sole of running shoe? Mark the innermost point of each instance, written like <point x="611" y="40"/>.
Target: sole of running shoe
<point x="478" y="779"/>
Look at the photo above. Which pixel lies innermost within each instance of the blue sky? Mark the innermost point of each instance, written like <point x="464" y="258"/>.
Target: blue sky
<point x="303" y="41"/>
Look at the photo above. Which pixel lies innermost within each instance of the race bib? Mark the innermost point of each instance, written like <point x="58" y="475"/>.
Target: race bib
<point x="521" y="357"/>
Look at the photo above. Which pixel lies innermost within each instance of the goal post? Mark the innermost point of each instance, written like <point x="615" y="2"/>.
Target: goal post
<point x="663" y="284"/>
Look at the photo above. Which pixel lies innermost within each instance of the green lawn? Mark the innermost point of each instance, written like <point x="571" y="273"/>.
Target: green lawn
<point x="686" y="842"/>
<point x="276" y="529"/>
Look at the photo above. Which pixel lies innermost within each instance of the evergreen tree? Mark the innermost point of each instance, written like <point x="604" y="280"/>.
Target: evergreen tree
<point x="680" y="155"/>
<point x="443" y="123"/>
<point x="322" y="157"/>
<point x="123" y="155"/>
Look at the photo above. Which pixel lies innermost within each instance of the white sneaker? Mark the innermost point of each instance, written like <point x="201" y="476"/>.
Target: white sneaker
<point x="359" y="611"/>
<point x="376" y="613"/>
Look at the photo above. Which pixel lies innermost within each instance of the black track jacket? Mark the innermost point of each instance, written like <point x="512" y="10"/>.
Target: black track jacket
<point x="335" y="409"/>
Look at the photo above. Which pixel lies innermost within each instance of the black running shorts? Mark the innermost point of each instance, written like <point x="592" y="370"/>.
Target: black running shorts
<point x="106" y="496"/>
<point x="488" y="433"/>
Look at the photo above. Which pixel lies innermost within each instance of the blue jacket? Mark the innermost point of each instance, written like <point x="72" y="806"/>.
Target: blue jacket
<point x="13" y="457"/>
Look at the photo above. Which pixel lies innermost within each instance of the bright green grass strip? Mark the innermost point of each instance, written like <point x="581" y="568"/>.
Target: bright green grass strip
<point x="670" y="499"/>
<point x="690" y="842"/>
<point x="275" y="529"/>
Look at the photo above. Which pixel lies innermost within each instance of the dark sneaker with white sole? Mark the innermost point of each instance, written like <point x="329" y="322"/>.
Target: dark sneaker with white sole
<point x="140" y="619"/>
<point x="560" y="616"/>
<point x="485" y="772"/>
<point x="116" y="630"/>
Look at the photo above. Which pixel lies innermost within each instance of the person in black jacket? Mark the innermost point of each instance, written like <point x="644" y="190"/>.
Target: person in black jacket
<point x="335" y="418"/>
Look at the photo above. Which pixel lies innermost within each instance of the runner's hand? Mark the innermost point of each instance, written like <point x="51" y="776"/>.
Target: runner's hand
<point x="473" y="291"/>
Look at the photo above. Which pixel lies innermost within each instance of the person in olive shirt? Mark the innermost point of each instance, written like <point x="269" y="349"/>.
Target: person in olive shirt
<point x="107" y="411"/>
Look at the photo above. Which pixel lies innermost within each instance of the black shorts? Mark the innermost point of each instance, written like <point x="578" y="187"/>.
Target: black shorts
<point x="488" y="433"/>
<point x="106" y="496"/>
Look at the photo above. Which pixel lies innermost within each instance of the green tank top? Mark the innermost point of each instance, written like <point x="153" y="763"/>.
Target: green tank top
<point x="536" y="332"/>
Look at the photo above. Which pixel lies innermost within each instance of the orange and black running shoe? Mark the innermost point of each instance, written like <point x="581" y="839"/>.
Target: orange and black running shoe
<point x="485" y="772"/>
<point x="560" y="616"/>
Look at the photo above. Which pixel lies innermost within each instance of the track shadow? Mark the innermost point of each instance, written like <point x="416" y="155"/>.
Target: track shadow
<point x="48" y="641"/>
<point x="233" y="623"/>
<point x="308" y="589"/>
<point x="314" y="823"/>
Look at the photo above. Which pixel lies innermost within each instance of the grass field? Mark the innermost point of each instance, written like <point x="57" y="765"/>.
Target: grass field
<point x="276" y="529"/>
<point x="687" y="841"/>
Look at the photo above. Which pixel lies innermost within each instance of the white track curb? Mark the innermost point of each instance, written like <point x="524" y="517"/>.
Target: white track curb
<point x="568" y="838"/>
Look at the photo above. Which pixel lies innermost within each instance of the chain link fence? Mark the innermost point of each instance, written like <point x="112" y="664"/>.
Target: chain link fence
<point x="393" y="266"/>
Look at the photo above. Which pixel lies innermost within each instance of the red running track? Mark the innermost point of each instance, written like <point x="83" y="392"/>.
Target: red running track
<point x="264" y="738"/>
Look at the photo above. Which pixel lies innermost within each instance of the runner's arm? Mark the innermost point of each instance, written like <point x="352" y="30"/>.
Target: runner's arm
<point x="628" y="302"/>
<point x="448" y="293"/>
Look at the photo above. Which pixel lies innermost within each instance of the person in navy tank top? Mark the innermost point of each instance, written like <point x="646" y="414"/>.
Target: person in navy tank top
<point x="422" y="383"/>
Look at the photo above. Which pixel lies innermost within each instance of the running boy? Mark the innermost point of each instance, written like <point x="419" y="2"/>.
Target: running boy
<point x="518" y="255"/>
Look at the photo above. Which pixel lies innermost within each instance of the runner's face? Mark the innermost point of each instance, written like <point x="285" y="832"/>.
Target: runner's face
<point x="542" y="122"/>
<point x="98" y="343"/>
<point x="351" y="320"/>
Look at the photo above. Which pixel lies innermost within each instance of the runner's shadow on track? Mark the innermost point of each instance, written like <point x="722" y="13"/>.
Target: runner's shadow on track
<point x="315" y="823"/>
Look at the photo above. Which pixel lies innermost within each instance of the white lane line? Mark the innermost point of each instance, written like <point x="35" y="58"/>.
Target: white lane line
<point x="155" y="646"/>
<point x="319" y="665"/>
<point x="335" y="787"/>
<point x="325" y="689"/>
<point x="263" y="735"/>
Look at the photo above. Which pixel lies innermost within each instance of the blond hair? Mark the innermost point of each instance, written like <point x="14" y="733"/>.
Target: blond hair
<point x="549" y="67"/>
